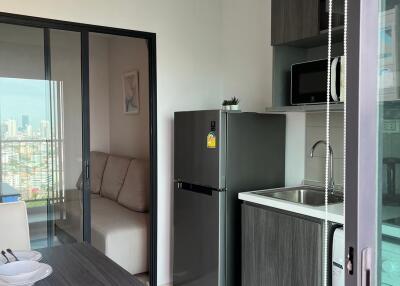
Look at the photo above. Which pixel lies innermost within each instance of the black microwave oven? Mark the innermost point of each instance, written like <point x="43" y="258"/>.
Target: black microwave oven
<point x="309" y="82"/>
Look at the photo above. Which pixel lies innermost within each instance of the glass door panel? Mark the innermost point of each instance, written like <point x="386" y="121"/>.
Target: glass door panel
<point x="41" y="127"/>
<point x="388" y="156"/>
<point x="66" y="126"/>
<point x="25" y="121"/>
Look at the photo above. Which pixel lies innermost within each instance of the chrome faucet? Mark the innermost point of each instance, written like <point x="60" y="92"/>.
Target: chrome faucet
<point x="331" y="183"/>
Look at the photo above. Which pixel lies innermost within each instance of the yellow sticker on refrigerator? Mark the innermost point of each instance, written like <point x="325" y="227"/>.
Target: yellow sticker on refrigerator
<point x="211" y="140"/>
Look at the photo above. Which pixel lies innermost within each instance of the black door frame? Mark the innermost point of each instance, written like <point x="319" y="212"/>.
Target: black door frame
<point x="85" y="29"/>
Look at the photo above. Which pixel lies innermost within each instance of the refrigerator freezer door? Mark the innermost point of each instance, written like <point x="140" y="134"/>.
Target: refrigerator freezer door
<point x="255" y="160"/>
<point x="199" y="139"/>
<point x="199" y="238"/>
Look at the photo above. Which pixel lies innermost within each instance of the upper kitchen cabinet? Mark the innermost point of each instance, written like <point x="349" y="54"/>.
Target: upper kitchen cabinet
<point x="294" y="20"/>
<point x="304" y="23"/>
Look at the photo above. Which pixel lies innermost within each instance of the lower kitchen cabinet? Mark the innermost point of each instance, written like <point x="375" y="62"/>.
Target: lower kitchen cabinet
<point x="279" y="249"/>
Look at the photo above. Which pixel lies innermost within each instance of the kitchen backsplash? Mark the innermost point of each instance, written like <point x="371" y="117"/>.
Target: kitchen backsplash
<point x="316" y="130"/>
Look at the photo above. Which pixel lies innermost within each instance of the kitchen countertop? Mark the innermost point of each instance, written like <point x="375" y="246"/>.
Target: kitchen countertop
<point x="334" y="214"/>
<point x="334" y="211"/>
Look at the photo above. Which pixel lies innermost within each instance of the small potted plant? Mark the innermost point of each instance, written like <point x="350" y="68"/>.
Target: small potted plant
<point x="232" y="104"/>
<point x="226" y="105"/>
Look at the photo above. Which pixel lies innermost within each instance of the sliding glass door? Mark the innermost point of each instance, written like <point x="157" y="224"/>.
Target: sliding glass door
<point x="25" y="124"/>
<point x="66" y="136"/>
<point x="373" y="166"/>
<point x="388" y="144"/>
<point x="41" y="129"/>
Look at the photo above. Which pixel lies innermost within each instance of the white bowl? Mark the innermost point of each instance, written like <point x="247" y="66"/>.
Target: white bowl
<point x="18" y="271"/>
<point x="23" y="255"/>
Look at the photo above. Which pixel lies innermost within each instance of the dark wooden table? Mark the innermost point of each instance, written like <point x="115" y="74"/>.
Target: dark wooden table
<point x="81" y="264"/>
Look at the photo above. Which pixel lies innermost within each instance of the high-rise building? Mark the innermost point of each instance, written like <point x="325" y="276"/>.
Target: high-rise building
<point x="24" y="122"/>
<point x="45" y="128"/>
<point x="3" y="129"/>
<point x="12" y="128"/>
<point x="29" y="131"/>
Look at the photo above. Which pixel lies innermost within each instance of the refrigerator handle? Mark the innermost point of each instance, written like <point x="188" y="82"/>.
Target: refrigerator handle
<point x="178" y="183"/>
<point x="195" y="188"/>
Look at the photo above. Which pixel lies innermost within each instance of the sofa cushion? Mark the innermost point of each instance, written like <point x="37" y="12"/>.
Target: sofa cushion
<point x="114" y="176"/>
<point x="121" y="234"/>
<point x="118" y="232"/>
<point x="98" y="162"/>
<point x="135" y="190"/>
<point x="74" y="210"/>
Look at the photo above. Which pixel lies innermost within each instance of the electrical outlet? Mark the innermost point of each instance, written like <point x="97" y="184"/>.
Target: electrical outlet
<point x="391" y="126"/>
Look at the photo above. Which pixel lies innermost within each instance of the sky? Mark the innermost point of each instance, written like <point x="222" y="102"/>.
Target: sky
<point x="23" y="97"/>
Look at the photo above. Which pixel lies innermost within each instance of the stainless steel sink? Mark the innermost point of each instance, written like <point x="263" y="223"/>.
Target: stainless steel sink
<point x="305" y="195"/>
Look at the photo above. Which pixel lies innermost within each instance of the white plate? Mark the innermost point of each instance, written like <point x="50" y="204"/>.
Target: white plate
<point x="23" y="255"/>
<point x="18" y="271"/>
<point x="44" y="271"/>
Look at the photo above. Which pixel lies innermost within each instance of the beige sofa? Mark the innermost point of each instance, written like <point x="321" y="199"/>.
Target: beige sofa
<point x="119" y="210"/>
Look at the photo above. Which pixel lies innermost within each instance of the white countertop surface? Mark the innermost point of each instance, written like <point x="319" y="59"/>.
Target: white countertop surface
<point x="333" y="212"/>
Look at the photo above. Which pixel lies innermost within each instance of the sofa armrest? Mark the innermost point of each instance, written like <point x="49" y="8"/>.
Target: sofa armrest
<point x="72" y="203"/>
<point x="70" y="220"/>
<point x="72" y="195"/>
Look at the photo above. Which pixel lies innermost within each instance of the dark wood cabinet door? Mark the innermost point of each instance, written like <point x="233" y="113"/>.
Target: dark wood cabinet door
<point x="259" y="259"/>
<point x="279" y="249"/>
<point x="294" y="20"/>
<point x="285" y="265"/>
<point x="306" y="252"/>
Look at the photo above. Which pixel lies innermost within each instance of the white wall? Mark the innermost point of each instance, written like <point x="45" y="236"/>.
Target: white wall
<point x="99" y="93"/>
<point x="188" y="69"/>
<point x="111" y="130"/>
<point x="197" y="43"/>
<point x="247" y="53"/>
<point x="66" y="70"/>
<point x="21" y="52"/>
<point x="129" y="133"/>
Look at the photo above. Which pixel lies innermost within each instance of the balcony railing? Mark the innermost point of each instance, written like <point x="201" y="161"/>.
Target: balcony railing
<point x="33" y="167"/>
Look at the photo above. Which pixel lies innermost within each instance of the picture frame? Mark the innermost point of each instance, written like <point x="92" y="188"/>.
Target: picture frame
<point x="130" y="90"/>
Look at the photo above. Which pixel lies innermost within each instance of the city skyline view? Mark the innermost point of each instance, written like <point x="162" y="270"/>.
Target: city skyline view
<point x="11" y="130"/>
<point x="23" y="98"/>
<point x="27" y="153"/>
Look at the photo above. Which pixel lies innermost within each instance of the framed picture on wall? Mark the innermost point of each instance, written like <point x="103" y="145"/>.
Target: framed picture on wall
<point x="130" y="84"/>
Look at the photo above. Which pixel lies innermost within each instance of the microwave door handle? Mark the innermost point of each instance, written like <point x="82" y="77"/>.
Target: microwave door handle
<point x="333" y="79"/>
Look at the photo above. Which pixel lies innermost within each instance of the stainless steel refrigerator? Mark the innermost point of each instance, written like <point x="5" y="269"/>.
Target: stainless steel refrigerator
<point x="217" y="155"/>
